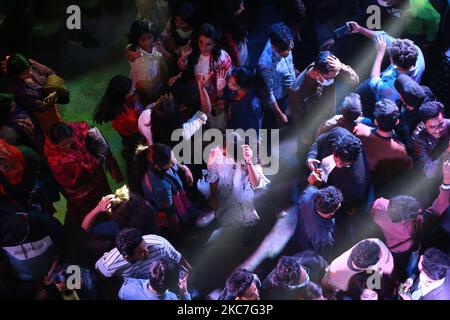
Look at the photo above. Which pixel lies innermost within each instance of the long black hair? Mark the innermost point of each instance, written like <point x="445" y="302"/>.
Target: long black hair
<point x="225" y="18"/>
<point x="113" y="100"/>
<point x="209" y="31"/>
<point x="138" y="28"/>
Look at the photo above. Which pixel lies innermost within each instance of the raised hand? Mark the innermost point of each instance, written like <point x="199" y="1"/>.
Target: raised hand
<point x="381" y="44"/>
<point x="186" y="50"/>
<point x="313" y="164"/>
<point x="203" y="80"/>
<point x="446" y="172"/>
<point x="221" y="80"/>
<point x="354" y="26"/>
<point x="247" y="152"/>
<point x="334" y="62"/>
<point x="104" y="204"/>
<point x="174" y="79"/>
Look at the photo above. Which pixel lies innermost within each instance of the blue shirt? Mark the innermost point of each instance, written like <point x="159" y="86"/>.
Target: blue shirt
<point x="137" y="289"/>
<point x="313" y="232"/>
<point x="246" y="113"/>
<point x="159" y="191"/>
<point x="383" y="86"/>
<point x="278" y="73"/>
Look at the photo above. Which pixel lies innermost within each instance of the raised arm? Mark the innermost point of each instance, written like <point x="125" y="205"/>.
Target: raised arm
<point x="183" y="59"/>
<point x="356" y="28"/>
<point x="205" y="101"/>
<point x="443" y="200"/>
<point x="103" y="206"/>
<point x="381" y="49"/>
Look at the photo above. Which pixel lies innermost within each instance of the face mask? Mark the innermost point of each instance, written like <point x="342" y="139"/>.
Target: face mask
<point x="184" y="34"/>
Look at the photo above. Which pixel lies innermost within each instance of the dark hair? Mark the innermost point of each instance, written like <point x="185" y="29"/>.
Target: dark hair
<point x="435" y="263"/>
<point x="6" y="100"/>
<point x="321" y="64"/>
<point x="165" y="111"/>
<point x="59" y="132"/>
<point x="209" y="31"/>
<point x="163" y="274"/>
<point x="224" y="16"/>
<point x="358" y="283"/>
<point x="138" y="28"/>
<point x="328" y="199"/>
<point x="386" y="113"/>
<point x="165" y="119"/>
<point x="404" y="53"/>
<point x="133" y="213"/>
<point x="14" y="229"/>
<point x="238" y="283"/>
<point x="113" y="100"/>
<point x="16" y="65"/>
<point x="288" y="271"/>
<point x="244" y="76"/>
<point x="281" y="36"/>
<point x="311" y="291"/>
<point x="347" y="148"/>
<point x="185" y="11"/>
<point x="314" y="262"/>
<point x="128" y="240"/>
<point x="365" y="254"/>
<point x="430" y="109"/>
<point x="410" y="91"/>
<point x="403" y="208"/>
<point x="161" y="154"/>
<point x="351" y="107"/>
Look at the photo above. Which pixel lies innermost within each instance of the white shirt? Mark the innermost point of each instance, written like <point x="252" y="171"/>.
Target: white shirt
<point x="113" y="263"/>
<point x="339" y="271"/>
<point x="151" y="66"/>
<point x="423" y="288"/>
<point x="202" y="67"/>
<point x="234" y="191"/>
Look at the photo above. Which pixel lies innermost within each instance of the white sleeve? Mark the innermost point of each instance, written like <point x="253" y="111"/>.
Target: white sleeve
<point x="172" y="252"/>
<point x="145" y="125"/>
<point x="264" y="183"/>
<point x="102" y="267"/>
<point x="191" y="126"/>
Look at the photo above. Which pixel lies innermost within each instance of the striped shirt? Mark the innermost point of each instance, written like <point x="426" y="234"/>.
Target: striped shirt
<point x="113" y="263"/>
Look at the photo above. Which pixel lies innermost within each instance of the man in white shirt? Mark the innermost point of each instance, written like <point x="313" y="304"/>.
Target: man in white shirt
<point x="366" y="256"/>
<point x="134" y="254"/>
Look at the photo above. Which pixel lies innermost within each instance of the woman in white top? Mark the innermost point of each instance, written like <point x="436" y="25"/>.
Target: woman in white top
<point x="232" y="185"/>
<point x="204" y="57"/>
<point x="148" y="65"/>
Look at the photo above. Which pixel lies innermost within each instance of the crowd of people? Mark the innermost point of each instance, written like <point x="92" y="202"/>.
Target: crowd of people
<point x="371" y="178"/>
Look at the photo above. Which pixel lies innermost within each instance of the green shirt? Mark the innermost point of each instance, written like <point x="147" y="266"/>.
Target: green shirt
<point x="423" y="19"/>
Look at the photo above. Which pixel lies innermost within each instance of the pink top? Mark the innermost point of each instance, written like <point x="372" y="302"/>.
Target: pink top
<point x="400" y="236"/>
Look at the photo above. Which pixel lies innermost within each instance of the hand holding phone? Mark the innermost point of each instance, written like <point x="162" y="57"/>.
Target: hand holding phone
<point x="341" y="32"/>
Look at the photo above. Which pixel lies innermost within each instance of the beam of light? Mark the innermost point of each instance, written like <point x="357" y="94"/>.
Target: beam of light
<point x="362" y="64"/>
